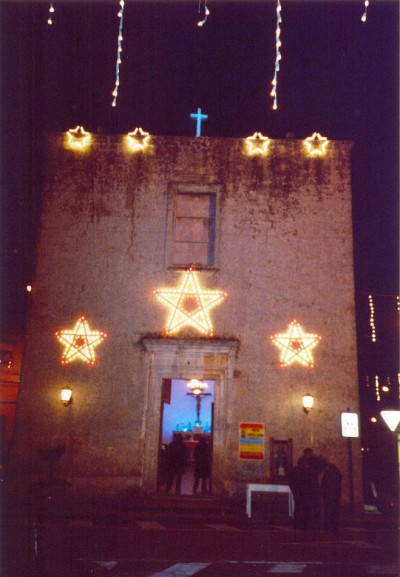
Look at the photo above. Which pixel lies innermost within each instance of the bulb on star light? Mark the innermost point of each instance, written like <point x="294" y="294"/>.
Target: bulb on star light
<point x="138" y="139"/>
<point x="78" y="138"/>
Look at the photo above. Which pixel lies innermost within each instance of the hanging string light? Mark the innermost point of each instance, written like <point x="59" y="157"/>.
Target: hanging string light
<point x="364" y="16"/>
<point x="278" y="57"/>
<point x="367" y="383"/>
<point x="398" y="382"/>
<point x="120" y="38"/>
<point x="372" y="318"/>
<point x="377" y="391"/>
<point x="398" y="303"/>
<point x="206" y="13"/>
<point x="51" y="11"/>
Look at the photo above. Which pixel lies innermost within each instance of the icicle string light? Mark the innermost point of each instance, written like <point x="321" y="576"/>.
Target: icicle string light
<point x="364" y="16"/>
<point x="372" y="318"/>
<point x="278" y="58"/>
<point x="206" y="13"/>
<point x="120" y="38"/>
<point x="398" y="303"/>
<point x="377" y="391"/>
<point x="51" y="11"/>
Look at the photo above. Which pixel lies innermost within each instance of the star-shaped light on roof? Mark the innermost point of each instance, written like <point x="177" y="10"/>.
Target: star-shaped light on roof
<point x="79" y="342"/>
<point x="78" y="137"/>
<point x="296" y="345"/>
<point x="316" y="144"/>
<point x="189" y="304"/>
<point x="138" y="139"/>
<point x="257" y="144"/>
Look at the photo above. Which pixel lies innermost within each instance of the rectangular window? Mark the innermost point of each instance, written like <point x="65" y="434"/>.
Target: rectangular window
<point x="194" y="229"/>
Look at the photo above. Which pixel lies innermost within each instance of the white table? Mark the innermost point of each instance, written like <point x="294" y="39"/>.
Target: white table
<point x="262" y="488"/>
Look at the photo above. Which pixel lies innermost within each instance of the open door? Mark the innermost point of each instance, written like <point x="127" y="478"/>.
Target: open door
<point x="179" y="415"/>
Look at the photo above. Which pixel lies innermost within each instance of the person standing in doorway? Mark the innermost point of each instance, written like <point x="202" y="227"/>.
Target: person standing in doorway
<point x="176" y="461"/>
<point x="201" y="465"/>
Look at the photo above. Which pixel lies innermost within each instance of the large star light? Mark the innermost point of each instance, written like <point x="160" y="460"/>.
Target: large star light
<point x="296" y="345"/>
<point x="189" y="304"/>
<point x="79" y="342"/>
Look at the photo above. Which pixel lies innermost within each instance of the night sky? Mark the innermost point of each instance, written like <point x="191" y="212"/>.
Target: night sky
<point x="338" y="76"/>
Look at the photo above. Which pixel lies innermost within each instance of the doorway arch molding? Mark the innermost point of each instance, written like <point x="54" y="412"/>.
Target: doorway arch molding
<point x="186" y="359"/>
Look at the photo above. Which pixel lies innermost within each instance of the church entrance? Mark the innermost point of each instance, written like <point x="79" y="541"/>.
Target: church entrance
<point x="187" y="408"/>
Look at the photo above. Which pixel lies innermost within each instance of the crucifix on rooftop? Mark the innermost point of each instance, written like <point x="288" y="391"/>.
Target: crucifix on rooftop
<point x="199" y="116"/>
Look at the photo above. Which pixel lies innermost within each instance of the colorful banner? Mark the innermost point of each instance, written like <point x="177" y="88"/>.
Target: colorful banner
<point x="251" y="441"/>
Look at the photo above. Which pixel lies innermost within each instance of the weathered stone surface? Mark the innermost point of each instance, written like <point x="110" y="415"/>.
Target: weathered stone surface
<point x="284" y="252"/>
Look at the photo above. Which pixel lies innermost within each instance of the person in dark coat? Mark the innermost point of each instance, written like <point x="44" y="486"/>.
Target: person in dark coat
<point x="330" y="490"/>
<point x="305" y="487"/>
<point x="201" y="465"/>
<point x="176" y="461"/>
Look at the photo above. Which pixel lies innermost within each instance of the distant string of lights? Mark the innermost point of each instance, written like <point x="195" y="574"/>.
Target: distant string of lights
<point x="377" y="389"/>
<point x="278" y="57"/>
<point x="119" y="51"/>
<point x="364" y="16"/>
<point x="372" y="318"/>
<point x="51" y="12"/>
<point x="206" y="13"/>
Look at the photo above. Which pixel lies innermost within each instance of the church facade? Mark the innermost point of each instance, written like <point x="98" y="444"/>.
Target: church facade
<point x="166" y="259"/>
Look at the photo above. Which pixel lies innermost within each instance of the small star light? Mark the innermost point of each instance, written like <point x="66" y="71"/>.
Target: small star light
<point x="278" y="56"/>
<point x="138" y="139"/>
<point x="78" y="137"/>
<point x="79" y="342"/>
<point x="189" y="304"/>
<point x="257" y="144"/>
<point x="296" y="346"/>
<point x="316" y="144"/>
<point x="119" y="50"/>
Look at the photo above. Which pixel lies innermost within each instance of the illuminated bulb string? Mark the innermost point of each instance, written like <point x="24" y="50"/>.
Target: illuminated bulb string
<point x="398" y="381"/>
<point x="206" y="13"/>
<point x="278" y="57"/>
<point x="377" y="392"/>
<point x="398" y="303"/>
<point x="120" y="38"/>
<point x="372" y="318"/>
<point x="51" y="11"/>
<point x="364" y="16"/>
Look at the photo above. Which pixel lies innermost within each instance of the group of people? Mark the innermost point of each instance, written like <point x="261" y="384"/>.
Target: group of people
<point x="316" y="484"/>
<point x="176" y="459"/>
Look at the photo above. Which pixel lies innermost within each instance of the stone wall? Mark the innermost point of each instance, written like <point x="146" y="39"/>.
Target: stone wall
<point x="284" y="252"/>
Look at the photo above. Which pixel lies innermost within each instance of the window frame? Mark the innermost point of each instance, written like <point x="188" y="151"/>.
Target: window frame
<point x="175" y="189"/>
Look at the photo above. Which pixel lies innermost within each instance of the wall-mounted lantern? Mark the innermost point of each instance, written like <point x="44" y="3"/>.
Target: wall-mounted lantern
<point x="66" y="396"/>
<point x="308" y="402"/>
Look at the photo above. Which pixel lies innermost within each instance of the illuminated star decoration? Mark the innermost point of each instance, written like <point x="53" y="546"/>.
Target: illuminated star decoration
<point x="296" y="346"/>
<point x="257" y="144"/>
<point x="138" y="139"/>
<point x="206" y="13"/>
<point x="119" y="50"/>
<point x="190" y="305"/>
<point x="78" y="137"/>
<point x="278" y="56"/>
<point x="364" y="16"/>
<point x="79" y="342"/>
<point x="316" y="144"/>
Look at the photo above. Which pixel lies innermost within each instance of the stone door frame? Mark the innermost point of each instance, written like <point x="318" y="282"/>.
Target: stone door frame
<point x="186" y="359"/>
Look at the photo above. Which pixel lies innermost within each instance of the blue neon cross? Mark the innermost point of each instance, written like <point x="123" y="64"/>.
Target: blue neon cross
<point x="199" y="116"/>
